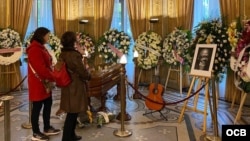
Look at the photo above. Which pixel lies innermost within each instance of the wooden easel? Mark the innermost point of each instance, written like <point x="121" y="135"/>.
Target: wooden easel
<point x="242" y="101"/>
<point x="194" y="108"/>
<point x="180" y="77"/>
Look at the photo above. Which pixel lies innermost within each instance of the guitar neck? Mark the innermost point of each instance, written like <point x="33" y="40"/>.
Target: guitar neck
<point x="157" y="75"/>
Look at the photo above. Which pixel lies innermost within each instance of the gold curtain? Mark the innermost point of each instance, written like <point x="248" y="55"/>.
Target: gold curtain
<point x="19" y="13"/>
<point x="185" y="10"/>
<point x="138" y="15"/>
<point x="103" y="16"/>
<point x="59" y="11"/>
<point x="230" y="10"/>
<point x="5" y="13"/>
<point x="87" y="12"/>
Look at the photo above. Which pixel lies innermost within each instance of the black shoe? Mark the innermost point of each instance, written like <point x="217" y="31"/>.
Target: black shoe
<point x="39" y="137"/>
<point x="52" y="131"/>
<point x="76" y="138"/>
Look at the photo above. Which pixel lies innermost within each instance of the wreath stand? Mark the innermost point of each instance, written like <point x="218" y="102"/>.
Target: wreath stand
<point x="243" y="96"/>
<point x="213" y="105"/>
<point x="180" y="77"/>
<point x="14" y="71"/>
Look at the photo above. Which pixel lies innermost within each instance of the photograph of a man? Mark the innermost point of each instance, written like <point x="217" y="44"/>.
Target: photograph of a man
<point x="203" y="59"/>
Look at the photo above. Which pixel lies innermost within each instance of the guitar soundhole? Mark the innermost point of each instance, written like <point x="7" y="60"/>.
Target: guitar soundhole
<point x="155" y="90"/>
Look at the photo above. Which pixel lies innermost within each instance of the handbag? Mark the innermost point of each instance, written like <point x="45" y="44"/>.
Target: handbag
<point x="46" y="83"/>
<point x="61" y="74"/>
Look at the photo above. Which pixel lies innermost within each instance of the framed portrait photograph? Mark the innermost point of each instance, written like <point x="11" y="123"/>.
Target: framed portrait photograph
<point x="203" y="60"/>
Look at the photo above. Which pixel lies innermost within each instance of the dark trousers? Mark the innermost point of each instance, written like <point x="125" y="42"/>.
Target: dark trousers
<point x="35" y="112"/>
<point x="69" y="127"/>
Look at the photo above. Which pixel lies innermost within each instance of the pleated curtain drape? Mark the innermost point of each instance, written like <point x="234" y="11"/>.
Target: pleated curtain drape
<point x="138" y="15"/>
<point x="230" y="11"/>
<point x="16" y="18"/>
<point x="103" y="18"/>
<point x="59" y="11"/>
<point x="185" y="9"/>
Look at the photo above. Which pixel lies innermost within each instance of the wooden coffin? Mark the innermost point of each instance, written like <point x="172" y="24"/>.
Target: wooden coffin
<point x="103" y="78"/>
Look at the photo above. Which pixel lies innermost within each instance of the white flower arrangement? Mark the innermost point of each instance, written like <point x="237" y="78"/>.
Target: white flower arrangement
<point x="54" y="43"/>
<point x="214" y="32"/>
<point x="175" y="47"/>
<point x="86" y="41"/>
<point x="148" y="46"/>
<point x="9" y="38"/>
<point x="119" y="40"/>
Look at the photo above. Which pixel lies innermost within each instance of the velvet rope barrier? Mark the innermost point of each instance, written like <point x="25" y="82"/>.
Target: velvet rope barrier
<point x="11" y="90"/>
<point x="171" y="103"/>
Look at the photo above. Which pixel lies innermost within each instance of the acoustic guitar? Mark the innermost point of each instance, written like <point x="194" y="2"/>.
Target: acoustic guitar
<point x="155" y="94"/>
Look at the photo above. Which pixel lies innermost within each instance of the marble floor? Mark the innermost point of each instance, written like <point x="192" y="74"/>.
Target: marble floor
<point x="140" y="127"/>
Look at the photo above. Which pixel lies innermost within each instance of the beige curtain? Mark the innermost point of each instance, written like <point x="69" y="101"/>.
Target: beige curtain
<point x="59" y="11"/>
<point x="19" y="17"/>
<point x="138" y="15"/>
<point x="230" y="10"/>
<point x="103" y="16"/>
<point x="185" y="13"/>
<point x="5" y="13"/>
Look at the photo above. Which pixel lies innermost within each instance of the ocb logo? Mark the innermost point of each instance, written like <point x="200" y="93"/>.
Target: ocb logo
<point x="236" y="132"/>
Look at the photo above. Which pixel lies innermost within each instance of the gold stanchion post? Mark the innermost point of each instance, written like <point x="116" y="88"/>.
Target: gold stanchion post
<point x="122" y="132"/>
<point x="27" y="125"/>
<point x="136" y="95"/>
<point x="6" y="100"/>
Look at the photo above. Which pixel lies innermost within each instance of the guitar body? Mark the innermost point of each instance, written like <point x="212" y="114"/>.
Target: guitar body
<point x="155" y="95"/>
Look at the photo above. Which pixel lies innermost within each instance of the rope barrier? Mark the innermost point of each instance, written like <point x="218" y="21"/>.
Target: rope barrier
<point x="11" y="90"/>
<point x="171" y="103"/>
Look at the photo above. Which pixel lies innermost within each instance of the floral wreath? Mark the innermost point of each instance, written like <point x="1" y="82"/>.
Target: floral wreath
<point x="86" y="41"/>
<point x="149" y="48"/>
<point x="54" y="43"/>
<point x="243" y="42"/>
<point x="214" y="32"/>
<point x="119" y="40"/>
<point x="10" y="39"/>
<point x="175" y="47"/>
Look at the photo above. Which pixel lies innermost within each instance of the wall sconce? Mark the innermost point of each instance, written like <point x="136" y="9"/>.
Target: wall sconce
<point x="153" y="20"/>
<point x="83" y="21"/>
<point x="123" y="59"/>
<point x="136" y="54"/>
